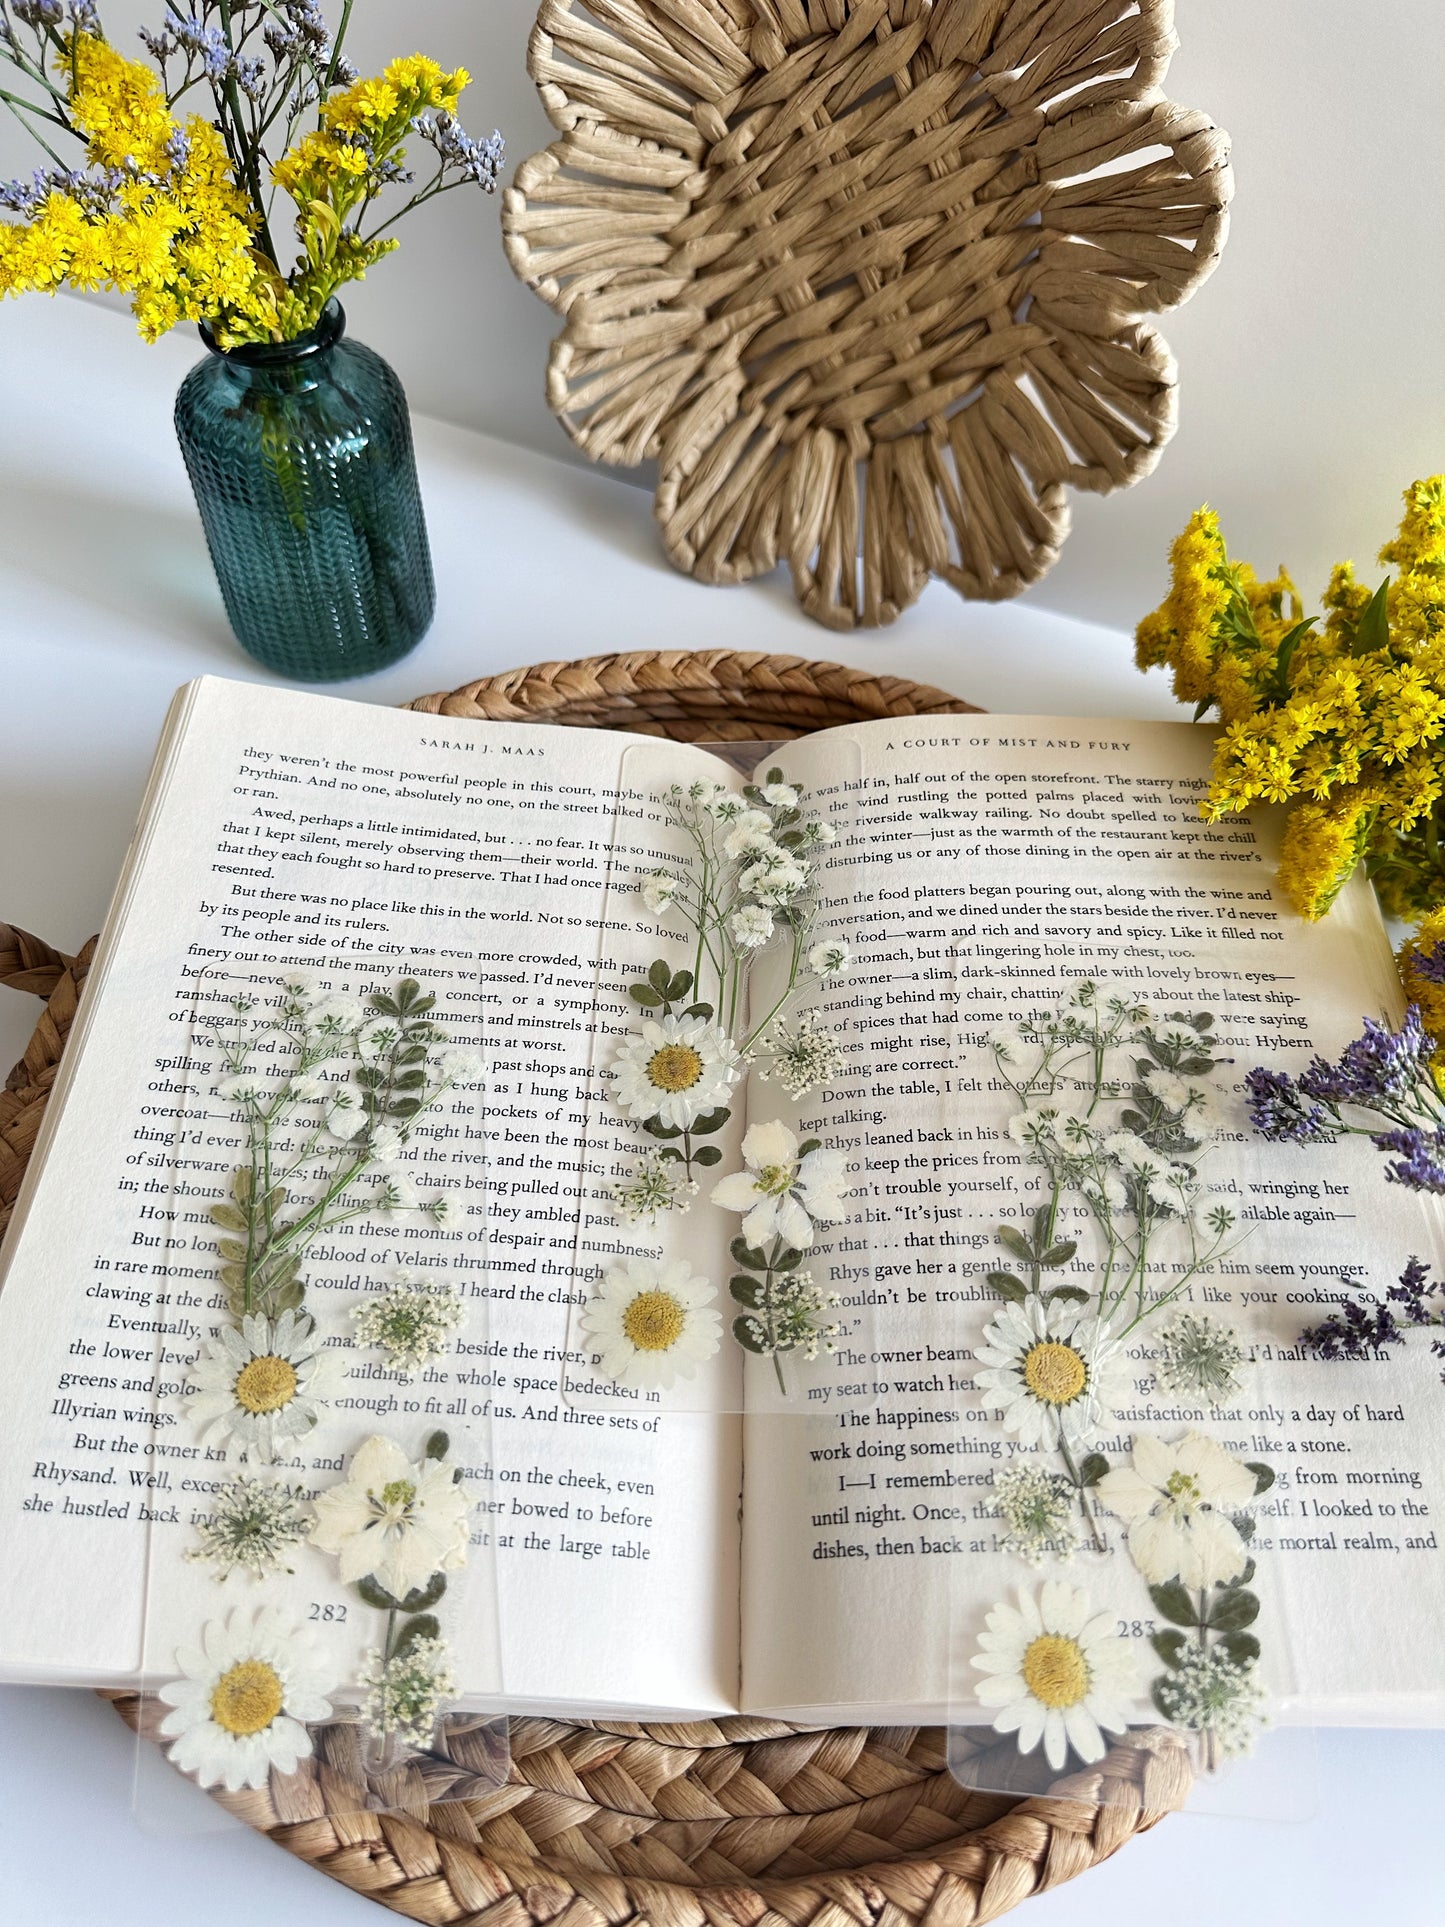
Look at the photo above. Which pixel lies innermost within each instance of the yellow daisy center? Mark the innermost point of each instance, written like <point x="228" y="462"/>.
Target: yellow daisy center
<point x="654" y="1321"/>
<point x="266" y="1384"/>
<point x="676" y="1067"/>
<point x="1056" y="1374"/>
<point x="1055" y="1671"/>
<point x="246" y="1699"/>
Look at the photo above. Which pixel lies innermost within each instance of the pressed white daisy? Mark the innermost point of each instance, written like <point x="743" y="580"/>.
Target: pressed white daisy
<point x="652" y="1323"/>
<point x="783" y="1193"/>
<point x="412" y="1321"/>
<point x="260" y="1386"/>
<point x="1177" y="1500"/>
<point x="247" y="1695"/>
<point x="830" y="958"/>
<point x="393" y="1521"/>
<point x="675" y="1069"/>
<point x="750" y="926"/>
<point x="1053" y="1368"/>
<point x="1057" y="1672"/>
<point x="780" y="796"/>
<point x="658" y="889"/>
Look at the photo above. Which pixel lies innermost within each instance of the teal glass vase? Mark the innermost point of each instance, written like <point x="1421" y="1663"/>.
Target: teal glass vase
<point x="300" y="455"/>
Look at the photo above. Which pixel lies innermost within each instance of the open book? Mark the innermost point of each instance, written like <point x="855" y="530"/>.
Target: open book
<point x="815" y="1561"/>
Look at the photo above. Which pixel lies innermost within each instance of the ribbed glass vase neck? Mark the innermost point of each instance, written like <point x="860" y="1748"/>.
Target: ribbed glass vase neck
<point x="285" y="365"/>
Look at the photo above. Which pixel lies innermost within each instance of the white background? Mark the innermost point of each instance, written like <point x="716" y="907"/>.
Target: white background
<point x="1309" y="362"/>
<point x="1310" y="395"/>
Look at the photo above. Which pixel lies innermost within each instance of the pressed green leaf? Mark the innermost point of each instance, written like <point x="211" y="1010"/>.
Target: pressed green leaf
<point x="746" y="1254"/>
<point x="775" y="774"/>
<point x="287" y="1297"/>
<point x="699" y="1010"/>
<point x="747" y="1291"/>
<point x="671" y="1155"/>
<point x="408" y="994"/>
<point x="785" y="1259"/>
<point x="709" y="1122"/>
<point x="1016" y="1242"/>
<point x="232" y="1250"/>
<point x="643" y="994"/>
<point x="1196" y="1066"/>
<point x="1093" y="1469"/>
<point x="680" y="985"/>
<point x="438" y="1445"/>
<point x="1169" y="1646"/>
<point x="1059" y="1254"/>
<point x="1066" y="1294"/>
<point x="655" y="1127"/>
<point x="404" y="1107"/>
<point x="707" y="1154"/>
<point x="1242" y="1648"/>
<point x="659" y="975"/>
<point x="229" y="1216"/>
<point x="241" y="1185"/>
<point x="749" y="1334"/>
<point x="1263" y="1474"/>
<point x="808" y="1145"/>
<point x="370" y="1077"/>
<point x="409" y="1081"/>
<point x="412" y="1054"/>
<point x="420" y="1597"/>
<point x="1244" y="1577"/>
<point x="376" y="1595"/>
<point x="1233" y="1611"/>
<point x="1202" y="1020"/>
<point x="1174" y="1603"/>
<point x="1007" y="1286"/>
<point x="382" y="1004"/>
<point x="1243" y="1524"/>
<point x="424" y="1626"/>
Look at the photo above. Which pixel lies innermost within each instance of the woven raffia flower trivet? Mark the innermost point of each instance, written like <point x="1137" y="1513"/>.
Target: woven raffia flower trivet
<point x="867" y="278"/>
<point x="731" y="1823"/>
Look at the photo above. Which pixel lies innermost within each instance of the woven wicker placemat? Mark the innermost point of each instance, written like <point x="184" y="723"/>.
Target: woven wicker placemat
<point x="731" y="1823"/>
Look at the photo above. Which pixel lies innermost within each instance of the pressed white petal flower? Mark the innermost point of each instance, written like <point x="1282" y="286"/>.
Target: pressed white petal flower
<point x="1177" y="1500"/>
<point x="659" y="889"/>
<point x="784" y="1195"/>
<point x="675" y="1069"/>
<point x="1054" y="1668"/>
<point x="1054" y="1369"/>
<point x="780" y="796"/>
<point x="831" y="958"/>
<point x="396" y="1522"/>
<point x="750" y="926"/>
<point x="651" y="1323"/>
<point x="261" y="1388"/>
<point x="244" y="1700"/>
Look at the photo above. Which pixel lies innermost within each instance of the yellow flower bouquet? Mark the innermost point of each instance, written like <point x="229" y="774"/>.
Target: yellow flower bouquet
<point x="1341" y="717"/>
<point x="298" y="443"/>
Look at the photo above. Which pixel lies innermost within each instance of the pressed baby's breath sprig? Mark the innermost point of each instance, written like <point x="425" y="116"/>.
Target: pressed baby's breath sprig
<point x="328" y="1088"/>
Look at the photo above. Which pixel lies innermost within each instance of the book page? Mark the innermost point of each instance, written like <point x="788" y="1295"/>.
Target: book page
<point x="288" y="829"/>
<point x="984" y="864"/>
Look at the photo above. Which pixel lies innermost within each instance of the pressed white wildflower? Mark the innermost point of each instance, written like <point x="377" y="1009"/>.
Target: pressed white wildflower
<point x="403" y="1697"/>
<point x="750" y="926"/>
<point x="751" y="835"/>
<point x="675" y="1069"/>
<point x="654" y="1186"/>
<point x="1177" y="1500"/>
<point x="307" y="1087"/>
<point x="243" y="1087"/>
<point x="346" y="1118"/>
<point x="412" y="1321"/>
<point x="461" y="1064"/>
<point x="393" y="1521"/>
<point x="1053" y="1367"/>
<point x="659" y="889"/>
<point x="803" y="1057"/>
<point x="260" y="1386"/>
<point x="819" y="831"/>
<point x="337" y="1015"/>
<point x="1202" y="1359"/>
<point x="780" y="796"/>
<point x="785" y="1190"/>
<point x="1038" y="1508"/>
<point x="1010" y="1046"/>
<point x="774" y="880"/>
<point x="252" y="1525"/>
<point x="830" y="958"/>
<point x="1209" y="1693"/>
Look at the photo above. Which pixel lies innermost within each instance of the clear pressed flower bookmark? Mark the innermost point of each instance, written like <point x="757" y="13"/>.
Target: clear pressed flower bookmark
<point x="1118" y="1627"/>
<point x="720" y="1227"/>
<point x="309" y="1453"/>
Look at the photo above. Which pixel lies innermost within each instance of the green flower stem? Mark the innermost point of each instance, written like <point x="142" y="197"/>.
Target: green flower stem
<point x="1090" y="1517"/>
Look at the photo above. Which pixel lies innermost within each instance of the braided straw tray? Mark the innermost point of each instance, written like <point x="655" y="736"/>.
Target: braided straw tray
<point x="731" y="1823"/>
<point x="869" y="279"/>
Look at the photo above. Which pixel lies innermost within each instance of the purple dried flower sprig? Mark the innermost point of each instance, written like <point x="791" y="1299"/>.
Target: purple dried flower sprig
<point x="1363" y="1326"/>
<point x="1386" y="1075"/>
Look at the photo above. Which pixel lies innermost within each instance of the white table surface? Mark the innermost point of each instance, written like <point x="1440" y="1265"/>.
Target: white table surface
<point x="106" y="604"/>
